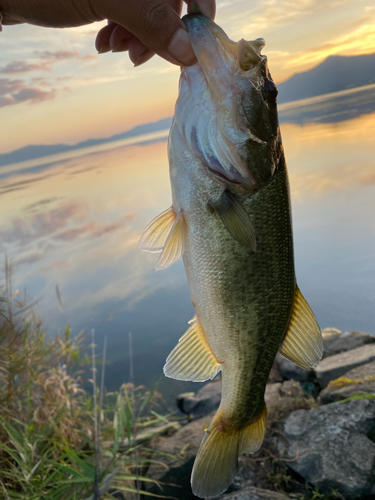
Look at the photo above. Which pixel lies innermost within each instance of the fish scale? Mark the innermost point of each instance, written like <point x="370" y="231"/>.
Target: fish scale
<point x="265" y="279"/>
<point x="230" y="221"/>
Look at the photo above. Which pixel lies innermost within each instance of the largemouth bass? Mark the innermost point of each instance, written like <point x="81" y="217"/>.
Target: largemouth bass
<point x="230" y="221"/>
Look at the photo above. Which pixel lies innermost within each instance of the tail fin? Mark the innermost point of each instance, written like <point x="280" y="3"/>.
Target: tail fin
<point x="217" y="461"/>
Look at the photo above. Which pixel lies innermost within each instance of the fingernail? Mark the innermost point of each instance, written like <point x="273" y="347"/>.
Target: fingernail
<point x="122" y="45"/>
<point x="180" y="48"/>
<point x="143" y="58"/>
<point x="104" y="48"/>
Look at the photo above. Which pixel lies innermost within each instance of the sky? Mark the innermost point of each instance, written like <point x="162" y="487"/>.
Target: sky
<point x="55" y="88"/>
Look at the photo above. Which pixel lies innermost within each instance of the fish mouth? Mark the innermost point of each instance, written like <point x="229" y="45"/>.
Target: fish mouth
<point x="214" y="87"/>
<point x="219" y="57"/>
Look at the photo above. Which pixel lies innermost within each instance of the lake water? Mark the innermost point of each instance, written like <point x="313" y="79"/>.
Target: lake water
<point x="75" y="222"/>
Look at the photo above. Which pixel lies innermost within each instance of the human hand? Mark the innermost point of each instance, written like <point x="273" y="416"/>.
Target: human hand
<point x="143" y="27"/>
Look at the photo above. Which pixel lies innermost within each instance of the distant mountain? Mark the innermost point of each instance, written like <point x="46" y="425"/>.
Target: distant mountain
<point x="334" y="74"/>
<point x="38" y="151"/>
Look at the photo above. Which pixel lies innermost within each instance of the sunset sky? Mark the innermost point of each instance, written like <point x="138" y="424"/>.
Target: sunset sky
<point x="54" y="87"/>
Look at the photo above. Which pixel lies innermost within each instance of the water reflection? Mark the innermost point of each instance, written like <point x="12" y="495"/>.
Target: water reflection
<point x="330" y="108"/>
<point x="76" y="223"/>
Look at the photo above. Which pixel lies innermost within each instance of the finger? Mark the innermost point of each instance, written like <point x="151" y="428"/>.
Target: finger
<point x="205" y="7"/>
<point x="138" y="52"/>
<point x="155" y="23"/>
<point x="120" y="39"/>
<point x="102" y="38"/>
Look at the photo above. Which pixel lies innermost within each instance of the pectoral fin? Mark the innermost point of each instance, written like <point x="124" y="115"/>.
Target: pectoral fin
<point x="235" y="219"/>
<point x="192" y="358"/>
<point x="303" y="343"/>
<point x="175" y="244"/>
<point x="156" y="233"/>
<point x="166" y="233"/>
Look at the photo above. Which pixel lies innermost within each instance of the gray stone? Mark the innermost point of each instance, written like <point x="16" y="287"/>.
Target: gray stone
<point x="275" y="375"/>
<point x="246" y="474"/>
<point x="205" y="401"/>
<point x="358" y="380"/>
<point x="336" y="341"/>
<point x="336" y="366"/>
<point x="282" y="398"/>
<point x="184" y="445"/>
<point x="253" y="493"/>
<point x="329" y="447"/>
<point x="291" y="371"/>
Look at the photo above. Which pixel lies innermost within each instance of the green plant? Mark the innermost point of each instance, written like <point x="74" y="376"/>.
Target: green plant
<point x="53" y="434"/>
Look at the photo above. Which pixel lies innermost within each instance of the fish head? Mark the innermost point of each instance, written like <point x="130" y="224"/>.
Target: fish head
<point x="226" y="110"/>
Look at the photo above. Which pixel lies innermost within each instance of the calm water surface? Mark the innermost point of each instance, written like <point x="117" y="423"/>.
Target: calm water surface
<point x="76" y="222"/>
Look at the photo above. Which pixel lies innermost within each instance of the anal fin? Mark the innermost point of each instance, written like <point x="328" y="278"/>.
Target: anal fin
<point x="303" y="343"/>
<point x="192" y="358"/>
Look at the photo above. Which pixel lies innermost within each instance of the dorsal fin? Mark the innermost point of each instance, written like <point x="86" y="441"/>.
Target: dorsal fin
<point x="156" y="233"/>
<point x="192" y="358"/>
<point x="303" y="343"/>
<point x="175" y="244"/>
<point x="235" y="219"/>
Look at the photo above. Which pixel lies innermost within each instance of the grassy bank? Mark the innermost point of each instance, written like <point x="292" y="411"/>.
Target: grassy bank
<point x="57" y="440"/>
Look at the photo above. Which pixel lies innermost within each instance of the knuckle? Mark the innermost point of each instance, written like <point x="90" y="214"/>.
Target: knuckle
<point x="155" y="20"/>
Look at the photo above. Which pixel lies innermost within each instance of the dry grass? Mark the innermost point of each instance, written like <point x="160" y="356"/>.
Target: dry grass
<point x="47" y="419"/>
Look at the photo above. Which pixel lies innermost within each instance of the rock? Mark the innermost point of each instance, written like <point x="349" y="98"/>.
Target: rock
<point x="281" y="399"/>
<point x="184" y="445"/>
<point x="336" y="341"/>
<point x="276" y="393"/>
<point x="246" y="476"/>
<point x="185" y="442"/>
<point x="336" y="366"/>
<point x="275" y="375"/>
<point x="205" y="401"/>
<point x="253" y="493"/>
<point x="332" y="447"/>
<point x="358" y="380"/>
<point x="291" y="371"/>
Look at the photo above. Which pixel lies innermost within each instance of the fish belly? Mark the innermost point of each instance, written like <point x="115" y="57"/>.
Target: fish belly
<point x="243" y="299"/>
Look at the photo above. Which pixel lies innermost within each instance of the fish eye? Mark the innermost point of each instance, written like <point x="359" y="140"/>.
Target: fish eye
<point x="270" y="90"/>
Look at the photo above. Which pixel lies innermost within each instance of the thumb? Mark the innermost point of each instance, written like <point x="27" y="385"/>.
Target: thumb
<point x="155" y="23"/>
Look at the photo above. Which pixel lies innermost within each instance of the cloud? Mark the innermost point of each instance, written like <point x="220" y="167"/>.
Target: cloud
<point x="93" y="229"/>
<point x="28" y="229"/>
<point x="66" y="223"/>
<point x="30" y="259"/>
<point x="15" y="67"/>
<point x="58" y="55"/>
<point x="89" y="57"/>
<point x="46" y="62"/>
<point x="359" y="41"/>
<point x="32" y="94"/>
<point x="16" y="91"/>
<point x="278" y="13"/>
<point x="7" y="86"/>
